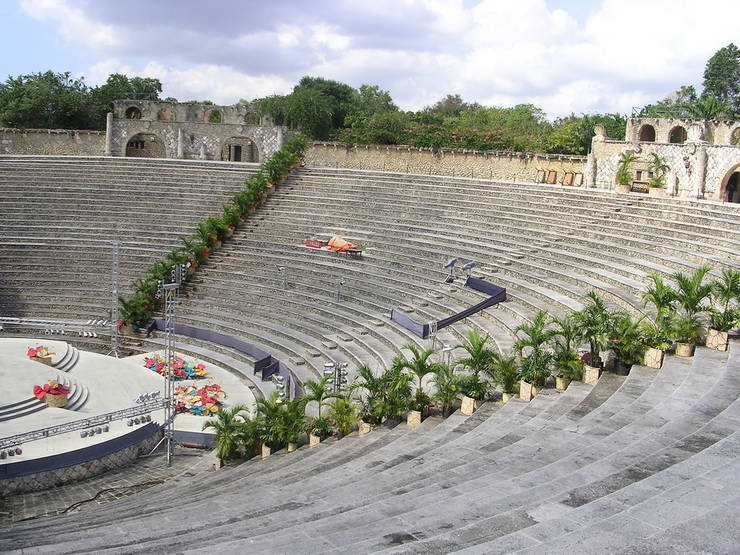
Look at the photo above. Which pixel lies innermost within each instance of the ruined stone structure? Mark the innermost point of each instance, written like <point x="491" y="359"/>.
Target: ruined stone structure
<point x="703" y="156"/>
<point x="59" y="142"/>
<point x="159" y="129"/>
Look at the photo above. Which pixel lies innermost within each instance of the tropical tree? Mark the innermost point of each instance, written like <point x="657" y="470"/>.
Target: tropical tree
<point x="419" y="365"/>
<point x="317" y="391"/>
<point x="722" y="76"/>
<point x="269" y="420"/>
<point x="626" y="339"/>
<point x="594" y="322"/>
<point x="659" y="168"/>
<point x="504" y="370"/>
<point x="725" y="299"/>
<point x="691" y="291"/>
<point x="226" y="426"/>
<point x="478" y="361"/>
<point x="532" y="347"/>
<point x="624" y="173"/>
<point x="344" y="414"/>
<point x="564" y="342"/>
<point x="447" y="386"/>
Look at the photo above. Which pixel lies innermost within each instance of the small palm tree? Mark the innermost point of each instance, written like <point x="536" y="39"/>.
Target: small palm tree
<point x="725" y="299"/>
<point x="624" y="173"/>
<point x="478" y="361"/>
<point x="447" y="385"/>
<point x="531" y="346"/>
<point x="226" y="425"/>
<point x="316" y="391"/>
<point x="659" y="168"/>
<point x="504" y="370"/>
<point x="420" y="365"/>
<point x="692" y="291"/>
<point x="564" y="342"/>
<point x="269" y="420"/>
<point x="594" y="323"/>
<point x="374" y="401"/>
<point x="662" y="296"/>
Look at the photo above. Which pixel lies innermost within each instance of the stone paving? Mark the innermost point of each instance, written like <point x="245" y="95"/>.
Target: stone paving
<point x="88" y="494"/>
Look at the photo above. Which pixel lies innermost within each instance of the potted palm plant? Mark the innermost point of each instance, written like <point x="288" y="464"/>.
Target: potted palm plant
<point x="691" y="292"/>
<point x="624" y="176"/>
<point x="344" y="414"/>
<point x="478" y="361"/>
<point x="294" y="422"/>
<point x="535" y="358"/>
<point x="269" y="423"/>
<point x="656" y="334"/>
<point x="446" y="384"/>
<point x="658" y="167"/>
<point x="314" y="391"/>
<point x="626" y="343"/>
<point x="593" y="323"/>
<point x="226" y="426"/>
<point x="504" y="370"/>
<point x="419" y="365"/>
<point x="567" y="363"/>
<point x="724" y="313"/>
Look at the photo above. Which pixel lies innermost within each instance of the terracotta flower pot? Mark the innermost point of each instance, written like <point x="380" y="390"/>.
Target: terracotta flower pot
<point x="684" y="349"/>
<point x="654" y="358"/>
<point x="561" y="384"/>
<point x="717" y="340"/>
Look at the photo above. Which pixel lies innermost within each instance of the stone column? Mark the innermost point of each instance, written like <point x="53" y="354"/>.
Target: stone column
<point x="180" y="143"/>
<point x="591" y="171"/>
<point x="673" y="184"/>
<point x="109" y="134"/>
<point x="701" y="170"/>
<point x="203" y="151"/>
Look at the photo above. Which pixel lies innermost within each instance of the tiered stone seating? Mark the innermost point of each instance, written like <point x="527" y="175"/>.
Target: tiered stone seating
<point x="615" y="467"/>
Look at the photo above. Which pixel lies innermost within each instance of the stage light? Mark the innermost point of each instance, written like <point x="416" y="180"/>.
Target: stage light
<point x="106" y="428"/>
<point x="130" y="423"/>
<point x="450" y="263"/>
<point x="3" y="455"/>
<point x="18" y="451"/>
<point x="469" y="267"/>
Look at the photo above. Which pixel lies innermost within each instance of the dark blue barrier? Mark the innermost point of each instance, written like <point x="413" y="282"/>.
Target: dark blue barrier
<point x="264" y="364"/>
<point x="497" y="295"/>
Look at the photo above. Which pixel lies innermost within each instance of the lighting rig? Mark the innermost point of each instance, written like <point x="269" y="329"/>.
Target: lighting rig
<point x="336" y="372"/>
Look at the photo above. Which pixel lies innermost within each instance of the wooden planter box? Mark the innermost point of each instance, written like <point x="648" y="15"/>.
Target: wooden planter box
<point x="413" y="419"/>
<point x="313" y="440"/>
<point x="654" y="358"/>
<point x="469" y="405"/>
<point x="561" y="384"/>
<point x="717" y="340"/>
<point x="364" y="428"/>
<point x="591" y="374"/>
<point x="685" y="349"/>
<point x="527" y="391"/>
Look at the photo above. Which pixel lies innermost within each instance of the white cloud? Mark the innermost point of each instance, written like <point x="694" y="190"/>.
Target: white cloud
<point x="74" y="25"/>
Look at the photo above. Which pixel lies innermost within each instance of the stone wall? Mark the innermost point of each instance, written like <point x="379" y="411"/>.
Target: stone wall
<point x="52" y="141"/>
<point x="717" y="133"/>
<point x="505" y="166"/>
<point x="697" y="170"/>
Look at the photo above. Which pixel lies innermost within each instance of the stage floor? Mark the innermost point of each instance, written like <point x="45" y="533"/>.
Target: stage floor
<point x="112" y="384"/>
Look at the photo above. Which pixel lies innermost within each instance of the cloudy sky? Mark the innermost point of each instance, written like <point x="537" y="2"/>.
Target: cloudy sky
<point x="561" y="55"/>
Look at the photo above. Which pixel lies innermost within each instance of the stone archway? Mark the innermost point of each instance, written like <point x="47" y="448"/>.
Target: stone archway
<point x="145" y="145"/>
<point x="677" y="135"/>
<point x="647" y="134"/>
<point x="240" y="149"/>
<point x="729" y="190"/>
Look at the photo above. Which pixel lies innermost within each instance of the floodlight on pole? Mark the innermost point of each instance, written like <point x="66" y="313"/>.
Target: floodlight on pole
<point x="450" y="265"/>
<point x="469" y="267"/>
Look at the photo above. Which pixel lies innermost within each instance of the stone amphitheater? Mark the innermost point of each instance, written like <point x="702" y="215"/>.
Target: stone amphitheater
<point x="646" y="463"/>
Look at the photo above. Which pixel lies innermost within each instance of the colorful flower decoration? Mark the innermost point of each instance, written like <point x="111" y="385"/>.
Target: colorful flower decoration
<point x="181" y="370"/>
<point x="202" y="401"/>
<point x="38" y="352"/>
<point x="51" y="388"/>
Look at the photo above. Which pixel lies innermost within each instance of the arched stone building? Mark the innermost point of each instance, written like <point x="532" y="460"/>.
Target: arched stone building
<point x="703" y="156"/>
<point x="159" y="129"/>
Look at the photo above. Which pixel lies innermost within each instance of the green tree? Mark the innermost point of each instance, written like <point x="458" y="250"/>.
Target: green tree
<point x="226" y="427"/>
<point x="45" y="101"/>
<point x="722" y="76"/>
<point x="531" y="346"/>
<point x="419" y="365"/>
<point x="372" y="100"/>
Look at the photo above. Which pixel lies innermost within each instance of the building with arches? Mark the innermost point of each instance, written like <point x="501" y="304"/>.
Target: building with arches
<point x="703" y="156"/>
<point x="192" y="130"/>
